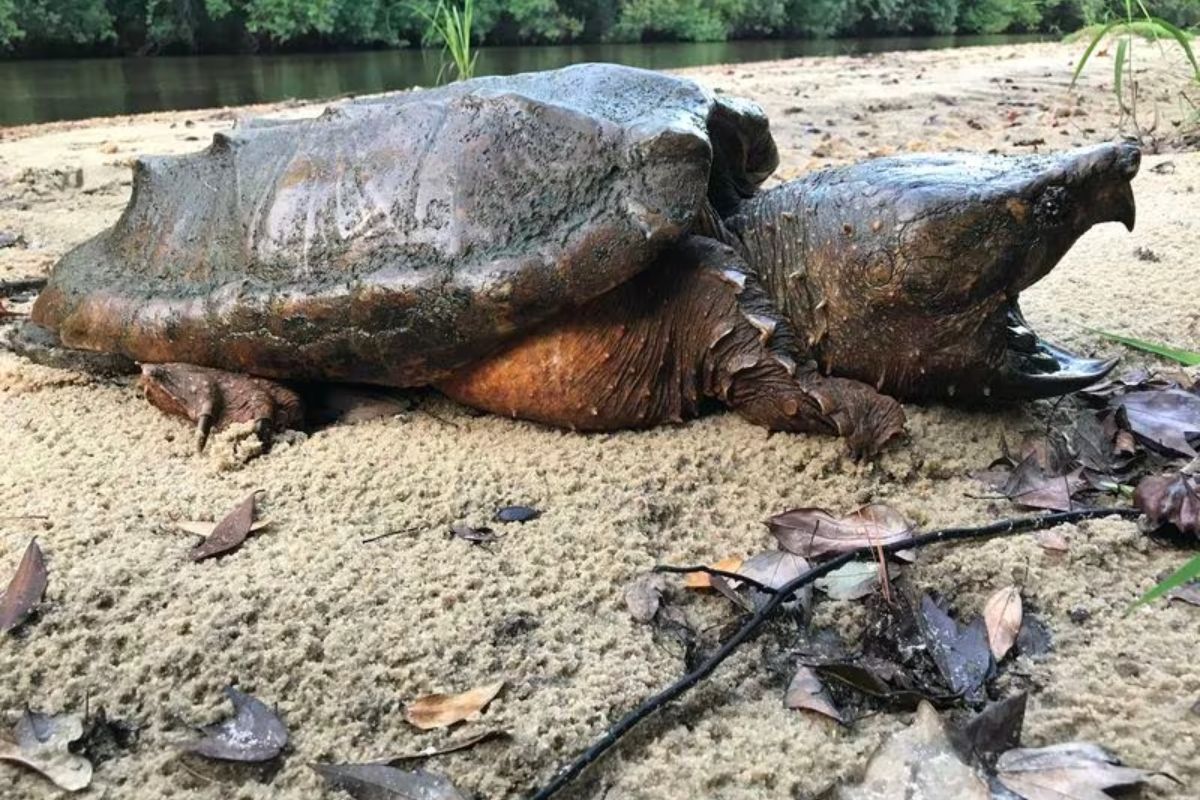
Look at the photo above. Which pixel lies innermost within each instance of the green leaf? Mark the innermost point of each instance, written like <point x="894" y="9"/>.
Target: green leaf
<point x="1188" y="572"/>
<point x="1185" y="357"/>
<point x="1118" y="69"/>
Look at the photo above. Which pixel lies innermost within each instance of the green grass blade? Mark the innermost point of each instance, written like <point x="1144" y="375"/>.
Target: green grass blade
<point x="1090" y="48"/>
<point x="1186" y="357"/>
<point x="1119" y="70"/>
<point x="1188" y="572"/>
<point x="1184" y="41"/>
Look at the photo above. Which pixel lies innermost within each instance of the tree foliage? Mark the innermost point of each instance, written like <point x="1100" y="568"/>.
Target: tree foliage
<point x="38" y="27"/>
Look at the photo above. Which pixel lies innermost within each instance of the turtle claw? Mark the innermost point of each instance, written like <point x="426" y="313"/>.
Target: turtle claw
<point x="203" y="427"/>
<point x="214" y="399"/>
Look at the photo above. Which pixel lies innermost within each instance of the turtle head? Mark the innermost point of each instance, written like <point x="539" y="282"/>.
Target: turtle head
<point x="913" y="267"/>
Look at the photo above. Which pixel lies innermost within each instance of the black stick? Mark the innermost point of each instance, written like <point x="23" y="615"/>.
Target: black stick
<point x="21" y="286"/>
<point x="652" y="704"/>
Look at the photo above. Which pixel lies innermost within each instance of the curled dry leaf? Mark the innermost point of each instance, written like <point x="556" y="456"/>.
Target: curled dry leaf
<point x="805" y="691"/>
<point x="469" y="533"/>
<point x="702" y="580"/>
<point x="643" y="596"/>
<point x="814" y="532"/>
<point x="1052" y="540"/>
<point x="1068" y="771"/>
<point x="253" y="733"/>
<point x="961" y="654"/>
<point x="1170" y="500"/>
<point x="994" y="730"/>
<point x="918" y="761"/>
<point x="380" y="782"/>
<point x="229" y="533"/>
<point x="26" y="588"/>
<point x="1002" y="617"/>
<point x="42" y="742"/>
<point x="440" y="710"/>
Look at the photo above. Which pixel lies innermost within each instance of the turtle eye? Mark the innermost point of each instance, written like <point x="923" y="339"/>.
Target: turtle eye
<point x="1052" y="205"/>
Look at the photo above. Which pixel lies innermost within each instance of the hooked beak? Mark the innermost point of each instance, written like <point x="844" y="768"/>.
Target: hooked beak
<point x="1088" y="187"/>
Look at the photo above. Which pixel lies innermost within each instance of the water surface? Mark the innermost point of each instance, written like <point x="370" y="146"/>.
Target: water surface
<point x="46" y="90"/>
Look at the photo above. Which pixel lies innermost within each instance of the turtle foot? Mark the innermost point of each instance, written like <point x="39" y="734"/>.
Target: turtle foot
<point x="214" y="399"/>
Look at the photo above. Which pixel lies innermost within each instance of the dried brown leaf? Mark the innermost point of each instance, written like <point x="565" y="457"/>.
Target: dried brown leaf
<point x="1002" y="616"/>
<point x="1052" y="540"/>
<point x="205" y="528"/>
<point x="441" y="710"/>
<point x="381" y="782"/>
<point x="469" y="533"/>
<point x="1188" y="593"/>
<point x="855" y="580"/>
<point x="1170" y="500"/>
<point x="26" y="588"/>
<point x="42" y="743"/>
<point x="1029" y="485"/>
<point x="1068" y="771"/>
<point x="1166" y="418"/>
<point x="814" y="532"/>
<point x="805" y="691"/>
<point x="229" y="533"/>
<point x="774" y="569"/>
<point x="702" y="580"/>
<point x="254" y="732"/>
<point x="961" y="654"/>
<point x="643" y="596"/>
<point x="517" y="514"/>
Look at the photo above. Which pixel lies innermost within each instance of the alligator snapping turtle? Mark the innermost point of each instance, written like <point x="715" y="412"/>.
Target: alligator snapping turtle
<point x="587" y="248"/>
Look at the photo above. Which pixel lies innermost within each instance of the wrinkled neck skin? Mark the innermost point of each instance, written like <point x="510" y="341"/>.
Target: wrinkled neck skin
<point x="905" y="273"/>
<point x="835" y="277"/>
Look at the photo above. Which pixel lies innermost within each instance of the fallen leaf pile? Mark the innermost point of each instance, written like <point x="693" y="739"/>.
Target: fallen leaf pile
<point x="917" y="651"/>
<point x="1121" y="431"/>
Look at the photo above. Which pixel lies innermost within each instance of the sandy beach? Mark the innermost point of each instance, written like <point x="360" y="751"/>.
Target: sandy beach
<point x="339" y="635"/>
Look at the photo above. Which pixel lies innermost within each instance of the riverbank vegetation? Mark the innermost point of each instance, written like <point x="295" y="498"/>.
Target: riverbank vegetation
<point x="129" y="27"/>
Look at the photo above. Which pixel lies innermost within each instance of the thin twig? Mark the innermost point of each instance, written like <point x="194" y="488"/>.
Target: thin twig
<point x="719" y="573"/>
<point x="654" y="703"/>
<point x="390" y="533"/>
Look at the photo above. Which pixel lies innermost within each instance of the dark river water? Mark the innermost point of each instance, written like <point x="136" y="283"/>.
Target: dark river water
<point x="41" y="91"/>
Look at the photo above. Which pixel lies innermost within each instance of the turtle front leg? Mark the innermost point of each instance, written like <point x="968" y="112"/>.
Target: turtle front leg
<point x="751" y="363"/>
<point x="694" y="325"/>
<point x="214" y="399"/>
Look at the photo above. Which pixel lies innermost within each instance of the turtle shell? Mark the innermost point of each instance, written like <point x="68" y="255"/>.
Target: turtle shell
<point x="395" y="239"/>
